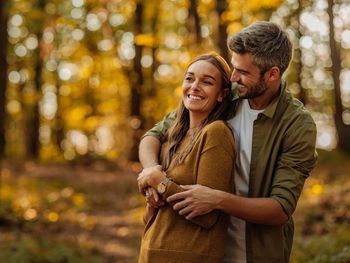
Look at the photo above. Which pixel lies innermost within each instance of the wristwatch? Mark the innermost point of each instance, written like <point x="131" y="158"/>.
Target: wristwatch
<point x="161" y="187"/>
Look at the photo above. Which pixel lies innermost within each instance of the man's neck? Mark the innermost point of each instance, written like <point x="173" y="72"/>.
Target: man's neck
<point x="266" y="98"/>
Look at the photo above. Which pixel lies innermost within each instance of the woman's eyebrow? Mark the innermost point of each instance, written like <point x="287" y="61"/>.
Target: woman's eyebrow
<point x="209" y="76"/>
<point x="206" y="75"/>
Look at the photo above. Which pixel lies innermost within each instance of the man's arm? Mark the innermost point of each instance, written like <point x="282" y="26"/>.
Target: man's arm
<point x="297" y="159"/>
<point x="198" y="200"/>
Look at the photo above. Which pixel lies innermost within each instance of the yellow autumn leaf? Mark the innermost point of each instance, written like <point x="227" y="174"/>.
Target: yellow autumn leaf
<point x="74" y="117"/>
<point x="53" y="217"/>
<point x="78" y="199"/>
<point x="317" y="189"/>
<point x="145" y="40"/>
<point x="91" y="123"/>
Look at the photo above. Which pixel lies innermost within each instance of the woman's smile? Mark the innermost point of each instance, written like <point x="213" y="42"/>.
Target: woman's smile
<point x="195" y="97"/>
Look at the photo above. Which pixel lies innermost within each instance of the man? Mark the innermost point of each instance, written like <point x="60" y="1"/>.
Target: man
<point x="275" y="144"/>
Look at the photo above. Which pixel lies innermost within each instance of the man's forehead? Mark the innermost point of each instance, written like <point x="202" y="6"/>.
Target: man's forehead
<point x="239" y="60"/>
<point x="243" y="61"/>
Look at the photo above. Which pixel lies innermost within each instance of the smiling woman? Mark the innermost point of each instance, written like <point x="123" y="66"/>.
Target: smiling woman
<point x="198" y="149"/>
<point x="201" y="90"/>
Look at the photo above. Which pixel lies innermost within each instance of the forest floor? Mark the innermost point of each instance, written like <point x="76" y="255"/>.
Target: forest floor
<point x="70" y="213"/>
<point x="93" y="213"/>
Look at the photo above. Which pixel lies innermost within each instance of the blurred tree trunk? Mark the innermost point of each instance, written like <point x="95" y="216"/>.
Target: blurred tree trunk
<point x="302" y="93"/>
<point x="296" y="64"/>
<point x="221" y="6"/>
<point x="33" y="116"/>
<point x="298" y="68"/>
<point x="136" y="86"/>
<point x="193" y="25"/>
<point x="152" y="84"/>
<point x="3" y="75"/>
<point x="155" y="63"/>
<point x="342" y="129"/>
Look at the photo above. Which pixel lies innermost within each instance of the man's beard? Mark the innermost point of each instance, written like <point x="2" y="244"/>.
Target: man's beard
<point x="257" y="90"/>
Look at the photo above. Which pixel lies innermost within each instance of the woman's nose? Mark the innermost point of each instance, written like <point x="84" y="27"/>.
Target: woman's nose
<point x="195" y="85"/>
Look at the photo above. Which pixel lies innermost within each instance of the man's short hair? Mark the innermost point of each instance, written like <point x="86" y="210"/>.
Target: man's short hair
<point x="268" y="44"/>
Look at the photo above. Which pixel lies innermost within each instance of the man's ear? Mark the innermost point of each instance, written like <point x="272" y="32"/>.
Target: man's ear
<point x="273" y="74"/>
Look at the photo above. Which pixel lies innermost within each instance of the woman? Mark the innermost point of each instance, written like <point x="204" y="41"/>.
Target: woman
<point x="198" y="148"/>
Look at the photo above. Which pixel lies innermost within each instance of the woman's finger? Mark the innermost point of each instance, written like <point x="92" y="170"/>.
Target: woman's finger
<point x="154" y="194"/>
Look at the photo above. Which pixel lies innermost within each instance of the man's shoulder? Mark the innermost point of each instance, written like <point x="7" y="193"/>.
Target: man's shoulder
<point x="296" y="110"/>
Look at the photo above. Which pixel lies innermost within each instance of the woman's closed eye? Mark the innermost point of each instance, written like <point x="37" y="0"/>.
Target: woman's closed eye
<point x="188" y="79"/>
<point x="208" y="82"/>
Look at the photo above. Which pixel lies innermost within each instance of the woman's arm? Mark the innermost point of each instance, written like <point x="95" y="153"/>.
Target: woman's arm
<point x="149" y="147"/>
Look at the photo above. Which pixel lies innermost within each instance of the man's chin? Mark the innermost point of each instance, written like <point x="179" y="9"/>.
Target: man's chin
<point x="242" y="94"/>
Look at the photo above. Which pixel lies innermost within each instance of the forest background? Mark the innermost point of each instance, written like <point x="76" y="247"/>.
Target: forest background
<point x="82" y="80"/>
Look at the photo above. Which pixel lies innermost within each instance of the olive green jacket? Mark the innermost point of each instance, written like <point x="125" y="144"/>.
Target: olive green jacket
<point x="283" y="155"/>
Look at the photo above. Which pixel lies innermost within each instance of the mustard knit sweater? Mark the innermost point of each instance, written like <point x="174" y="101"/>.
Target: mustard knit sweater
<point x="169" y="237"/>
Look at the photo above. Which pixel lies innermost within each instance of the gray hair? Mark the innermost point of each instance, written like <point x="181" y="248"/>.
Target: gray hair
<point x="268" y="44"/>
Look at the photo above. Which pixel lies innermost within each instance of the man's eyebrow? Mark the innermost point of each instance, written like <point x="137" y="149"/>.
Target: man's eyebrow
<point x="241" y="70"/>
<point x="206" y="76"/>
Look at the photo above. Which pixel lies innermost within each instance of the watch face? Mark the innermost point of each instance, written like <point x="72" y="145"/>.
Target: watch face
<point x="161" y="188"/>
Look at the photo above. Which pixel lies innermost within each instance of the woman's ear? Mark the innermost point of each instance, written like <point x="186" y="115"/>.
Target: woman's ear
<point x="223" y="95"/>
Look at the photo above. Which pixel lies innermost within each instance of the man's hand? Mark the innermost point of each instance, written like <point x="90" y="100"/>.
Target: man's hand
<point x="196" y="200"/>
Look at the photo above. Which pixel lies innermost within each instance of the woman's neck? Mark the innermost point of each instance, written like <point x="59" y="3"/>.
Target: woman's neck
<point x="196" y="119"/>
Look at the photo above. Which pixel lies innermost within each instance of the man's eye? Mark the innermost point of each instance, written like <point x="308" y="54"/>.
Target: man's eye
<point x="208" y="82"/>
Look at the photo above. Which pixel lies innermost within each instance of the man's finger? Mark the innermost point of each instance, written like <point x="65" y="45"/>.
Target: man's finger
<point x="191" y="215"/>
<point x="177" y="196"/>
<point x="180" y="205"/>
<point x="186" y="210"/>
<point x="188" y="187"/>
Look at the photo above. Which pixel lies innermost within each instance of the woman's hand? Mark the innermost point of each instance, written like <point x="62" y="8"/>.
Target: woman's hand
<point x="150" y="177"/>
<point x="152" y="198"/>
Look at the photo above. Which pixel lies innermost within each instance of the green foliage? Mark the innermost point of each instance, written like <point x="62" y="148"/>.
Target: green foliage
<point x="323" y="217"/>
<point x="333" y="247"/>
<point x="332" y="157"/>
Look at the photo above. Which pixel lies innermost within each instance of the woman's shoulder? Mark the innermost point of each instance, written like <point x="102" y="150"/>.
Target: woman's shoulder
<point x="217" y="128"/>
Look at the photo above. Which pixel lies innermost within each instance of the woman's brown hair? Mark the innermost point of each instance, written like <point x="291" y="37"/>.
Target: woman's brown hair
<point x="181" y="124"/>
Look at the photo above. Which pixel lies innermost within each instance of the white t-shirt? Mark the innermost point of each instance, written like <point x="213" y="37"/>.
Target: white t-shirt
<point x="242" y="126"/>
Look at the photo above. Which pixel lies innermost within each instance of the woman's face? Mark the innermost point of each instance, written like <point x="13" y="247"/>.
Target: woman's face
<point x="201" y="87"/>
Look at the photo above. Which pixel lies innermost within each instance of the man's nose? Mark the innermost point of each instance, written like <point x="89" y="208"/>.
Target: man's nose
<point x="235" y="76"/>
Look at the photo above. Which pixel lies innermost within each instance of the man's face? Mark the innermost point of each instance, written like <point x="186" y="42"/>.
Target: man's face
<point x="247" y="75"/>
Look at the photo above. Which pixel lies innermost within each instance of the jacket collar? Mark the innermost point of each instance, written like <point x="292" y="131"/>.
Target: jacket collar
<point x="271" y="108"/>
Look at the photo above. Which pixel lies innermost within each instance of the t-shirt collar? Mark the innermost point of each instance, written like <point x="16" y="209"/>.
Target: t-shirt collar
<point x="271" y="108"/>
